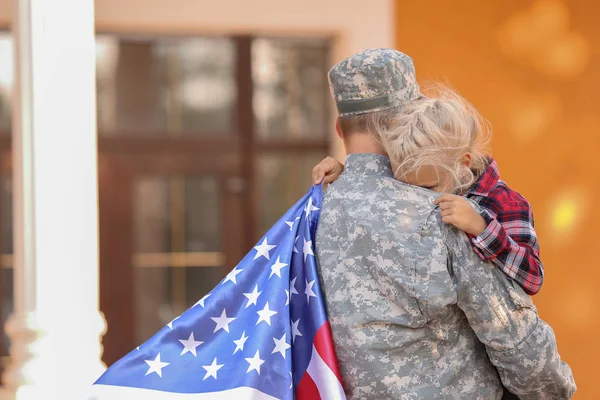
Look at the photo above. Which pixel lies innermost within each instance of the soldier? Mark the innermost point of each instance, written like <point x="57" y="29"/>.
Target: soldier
<point x="415" y="313"/>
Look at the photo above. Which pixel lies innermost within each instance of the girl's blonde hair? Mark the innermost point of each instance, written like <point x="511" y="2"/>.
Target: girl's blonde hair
<point x="437" y="131"/>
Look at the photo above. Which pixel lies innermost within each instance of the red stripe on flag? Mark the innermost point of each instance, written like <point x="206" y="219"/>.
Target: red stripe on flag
<point x="307" y="389"/>
<point x="324" y="345"/>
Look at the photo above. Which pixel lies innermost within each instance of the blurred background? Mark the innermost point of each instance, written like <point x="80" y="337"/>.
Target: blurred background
<point x="211" y="116"/>
<point x="532" y="69"/>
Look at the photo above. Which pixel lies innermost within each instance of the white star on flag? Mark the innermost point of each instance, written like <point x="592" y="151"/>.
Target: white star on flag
<point x="211" y="370"/>
<point x="201" y="301"/>
<point x="307" y="249"/>
<point x="222" y="322"/>
<point x="295" y="250"/>
<point x="239" y="344"/>
<point x="293" y="287"/>
<point x="295" y="330"/>
<point x="265" y="315"/>
<point x="276" y="268"/>
<point x="156" y="366"/>
<point x="308" y="291"/>
<point x="287" y="297"/>
<point x="189" y="346"/>
<point x="170" y="324"/>
<point x="309" y="208"/>
<point x="263" y="249"/>
<point x="231" y="275"/>
<point x="255" y="363"/>
<point x="280" y="346"/>
<point x="252" y="297"/>
<point x="291" y="223"/>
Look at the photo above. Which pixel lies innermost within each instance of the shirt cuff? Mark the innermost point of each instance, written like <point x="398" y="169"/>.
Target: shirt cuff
<point x="492" y="240"/>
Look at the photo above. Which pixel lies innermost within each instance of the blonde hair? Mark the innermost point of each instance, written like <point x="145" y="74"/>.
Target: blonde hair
<point x="371" y="122"/>
<point x="438" y="131"/>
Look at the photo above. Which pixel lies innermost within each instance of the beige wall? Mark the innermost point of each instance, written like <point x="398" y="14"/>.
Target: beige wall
<point x="532" y="68"/>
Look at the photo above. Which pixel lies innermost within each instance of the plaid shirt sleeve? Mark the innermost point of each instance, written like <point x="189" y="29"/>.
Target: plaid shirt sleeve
<point x="509" y="240"/>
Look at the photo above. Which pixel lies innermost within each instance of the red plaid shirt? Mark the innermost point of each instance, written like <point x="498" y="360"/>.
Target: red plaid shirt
<point x="509" y="240"/>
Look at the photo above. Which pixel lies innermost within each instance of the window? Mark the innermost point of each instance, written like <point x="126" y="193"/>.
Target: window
<point x="290" y="88"/>
<point x="166" y="86"/>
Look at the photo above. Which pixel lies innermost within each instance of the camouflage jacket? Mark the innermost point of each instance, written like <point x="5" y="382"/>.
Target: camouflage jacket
<point x="415" y="313"/>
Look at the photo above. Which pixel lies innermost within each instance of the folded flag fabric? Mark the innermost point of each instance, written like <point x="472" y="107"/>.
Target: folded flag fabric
<point x="262" y="333"/>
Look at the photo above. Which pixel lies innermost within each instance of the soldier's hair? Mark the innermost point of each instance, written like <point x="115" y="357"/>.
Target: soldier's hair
<point x="438" y="130"/>
<point x="372" y="122"/>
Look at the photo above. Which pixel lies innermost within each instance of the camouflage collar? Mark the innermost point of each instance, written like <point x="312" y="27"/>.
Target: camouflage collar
<point x="371" y="164"/>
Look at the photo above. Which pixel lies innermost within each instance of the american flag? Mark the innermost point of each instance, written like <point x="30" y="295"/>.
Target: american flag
<point x="262" y="333"/>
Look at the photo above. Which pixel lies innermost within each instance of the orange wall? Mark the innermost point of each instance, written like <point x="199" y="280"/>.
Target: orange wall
<point x="533" y="69"/>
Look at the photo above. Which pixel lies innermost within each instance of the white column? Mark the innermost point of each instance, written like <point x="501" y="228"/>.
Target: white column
<point x="56" y="328"/>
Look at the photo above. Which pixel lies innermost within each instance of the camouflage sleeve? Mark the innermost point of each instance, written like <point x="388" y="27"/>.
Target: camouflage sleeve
<point x="519" y="344"/>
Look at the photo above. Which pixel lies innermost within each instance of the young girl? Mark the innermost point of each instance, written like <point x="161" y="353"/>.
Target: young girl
<point x="436" y="143"/>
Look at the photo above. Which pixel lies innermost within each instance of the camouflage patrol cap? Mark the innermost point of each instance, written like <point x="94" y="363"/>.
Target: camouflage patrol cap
<point x="373" y="80"/>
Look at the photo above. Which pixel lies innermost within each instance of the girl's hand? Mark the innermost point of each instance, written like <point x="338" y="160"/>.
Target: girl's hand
<point x="327" y="171"/>
<point x="457" y="211"/>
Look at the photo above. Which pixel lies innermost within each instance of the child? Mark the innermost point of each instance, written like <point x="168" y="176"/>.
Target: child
<point x="436" y="144"/>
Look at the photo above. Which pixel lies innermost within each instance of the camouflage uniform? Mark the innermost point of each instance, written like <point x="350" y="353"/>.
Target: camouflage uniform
<point x="415" y="313"/>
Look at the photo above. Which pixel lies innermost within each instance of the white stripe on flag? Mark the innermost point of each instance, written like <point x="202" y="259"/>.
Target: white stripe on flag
<point x="106" y="392"/>
<point x="330" y="388"/>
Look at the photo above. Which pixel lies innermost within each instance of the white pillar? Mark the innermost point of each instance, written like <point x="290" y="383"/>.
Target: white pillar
<point x="56" y="328"/>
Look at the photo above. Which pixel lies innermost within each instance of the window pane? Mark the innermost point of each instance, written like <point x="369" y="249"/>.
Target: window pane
<point x="290" y="88"/>
<point x="204" y="74"/>
<point x="202" y="215"/>
<point x="177" y="214"/>
<point x="6" y="82"/>
<point x="165" y="86"/>
<point x="152" y="219"/>
<point x="153" y="308"/>
<point x="283" y="180"/>
<point x="131" y="93"/>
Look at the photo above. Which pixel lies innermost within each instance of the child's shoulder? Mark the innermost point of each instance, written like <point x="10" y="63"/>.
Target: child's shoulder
<point x="503" y="193"/>
<point x="493" y="193"/>
<point x="506" y="203"/>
